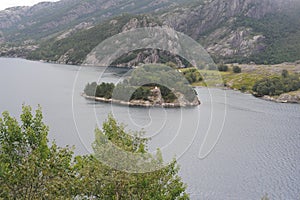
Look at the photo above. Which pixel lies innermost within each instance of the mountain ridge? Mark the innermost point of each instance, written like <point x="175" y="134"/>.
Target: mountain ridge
<point x="231" y="31"/>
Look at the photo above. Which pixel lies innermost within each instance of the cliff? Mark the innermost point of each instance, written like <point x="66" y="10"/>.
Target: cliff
<point x="262" y="31"/>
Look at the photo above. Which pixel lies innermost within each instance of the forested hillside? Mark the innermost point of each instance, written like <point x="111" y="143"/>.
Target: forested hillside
<point x="244" y="31"/>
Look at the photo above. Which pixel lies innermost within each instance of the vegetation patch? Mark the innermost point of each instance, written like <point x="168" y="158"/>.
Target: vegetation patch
<point x="150" y="85"/>
<point x="277" y="85"/>
<point x="31" y="168"/>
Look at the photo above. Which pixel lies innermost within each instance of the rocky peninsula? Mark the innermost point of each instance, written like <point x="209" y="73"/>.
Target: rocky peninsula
<point x="155" y="99"/>
<point x="147" y="86"/>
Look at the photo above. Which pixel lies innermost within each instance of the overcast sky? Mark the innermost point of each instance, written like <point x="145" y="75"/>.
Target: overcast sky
<point x="10" y="3"/>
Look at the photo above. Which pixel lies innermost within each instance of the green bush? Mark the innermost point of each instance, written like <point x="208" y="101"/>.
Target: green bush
<point x="192" y="75"/>
<point x="142" y="93"/>
<point x="105" y="90"/>
<point x="236" y="69"/>
<point x="223" y="68"/>
<point x="90" y="89"/>
<point x="277" y="85"/>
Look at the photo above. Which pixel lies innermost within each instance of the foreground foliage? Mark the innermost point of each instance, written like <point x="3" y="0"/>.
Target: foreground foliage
<point x="32" y="169"/>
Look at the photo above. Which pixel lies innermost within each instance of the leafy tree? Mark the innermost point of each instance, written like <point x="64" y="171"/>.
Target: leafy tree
<point x="192" y="75"/>
<point x="30" y="169"/>
<point x="222" y="67"/>
<point x="123" y="91"/>
<point x="236" y="69"/>
<point x="105" y="90"/>
<point x="142" y="93"/>
<point x="90" y="89"/>
<point x="277" y="85"/>
<point x="167" y="94"/>
<point x="285" y="73"/>
<point x="109" y="183"/>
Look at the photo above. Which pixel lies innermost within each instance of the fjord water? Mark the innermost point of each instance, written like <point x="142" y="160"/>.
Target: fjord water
<point x="258" y="151"/>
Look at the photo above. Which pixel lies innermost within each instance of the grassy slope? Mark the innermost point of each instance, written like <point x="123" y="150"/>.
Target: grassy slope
<point x="244" y="81"/>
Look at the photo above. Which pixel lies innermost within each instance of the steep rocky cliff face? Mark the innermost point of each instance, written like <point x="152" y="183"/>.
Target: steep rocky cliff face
<point x="47" y="18"/>
<point x="201" y="18"/>
<point x="214" y="24"/>
<point x="264" y="31"/>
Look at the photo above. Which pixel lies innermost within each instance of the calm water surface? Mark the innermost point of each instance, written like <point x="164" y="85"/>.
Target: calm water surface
<point x="258" y="150"/>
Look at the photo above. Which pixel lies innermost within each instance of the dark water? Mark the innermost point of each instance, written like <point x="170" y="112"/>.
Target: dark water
<point x="258" y="150"/>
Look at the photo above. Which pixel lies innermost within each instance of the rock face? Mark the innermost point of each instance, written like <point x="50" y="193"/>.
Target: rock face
<point x="47" y="18"/>
<point x="65" y="59"/>
<point x="148" y="56"/>
<point x="290" y="98"/>
<point x="135" y="23"/>
<point x="213" y="23"/>
<point x="293" y="97"/>
<point x="156" y="97"/>
<point x="235" y="42"/>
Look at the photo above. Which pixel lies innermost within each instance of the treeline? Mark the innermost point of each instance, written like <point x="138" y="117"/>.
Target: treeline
<point x="121" y="91"/>
<point x="141" y="82"/>
<point x="30" y="168"/>
<point x="223" y="68"/>
<point x="104" y="90"/>
<point x="277" y="85"/>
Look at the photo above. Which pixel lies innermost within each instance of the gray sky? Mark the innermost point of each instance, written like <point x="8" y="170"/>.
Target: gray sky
<point x="10" y="3"/>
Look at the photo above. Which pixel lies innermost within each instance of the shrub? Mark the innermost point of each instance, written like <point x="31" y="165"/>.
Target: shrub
<point x="236" y="69"/>
<point x="277" y="85"/>
<point x="223" y="68"/>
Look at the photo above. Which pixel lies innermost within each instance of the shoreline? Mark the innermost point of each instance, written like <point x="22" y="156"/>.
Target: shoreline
<point x="140" y="103"/>
<point x="288" y="98"/>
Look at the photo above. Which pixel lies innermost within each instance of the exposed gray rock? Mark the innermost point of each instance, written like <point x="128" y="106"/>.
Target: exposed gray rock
<point x="284" y="98"/>
<point x="64" y="59"/>
<point x="290" y="98"/>
<point x="81" y="26"/>
<point x="238" y="42"/>
<point x="210" y="22"/>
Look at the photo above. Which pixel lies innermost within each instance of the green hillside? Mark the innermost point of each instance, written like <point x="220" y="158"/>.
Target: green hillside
<point x="79" y="45"/>
<point x="282" y="32"/>
<point x="241" y="32"/>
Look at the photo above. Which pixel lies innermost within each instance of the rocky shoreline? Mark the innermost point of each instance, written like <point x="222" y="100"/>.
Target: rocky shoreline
<point x="142" y="103"/>
<point x="284" y="98"/>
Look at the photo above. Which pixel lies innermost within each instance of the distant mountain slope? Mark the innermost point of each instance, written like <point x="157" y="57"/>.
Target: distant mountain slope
<point x="74" y="49"/>
<point x="262" y="31"/>
<point x="47" y="18"/>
